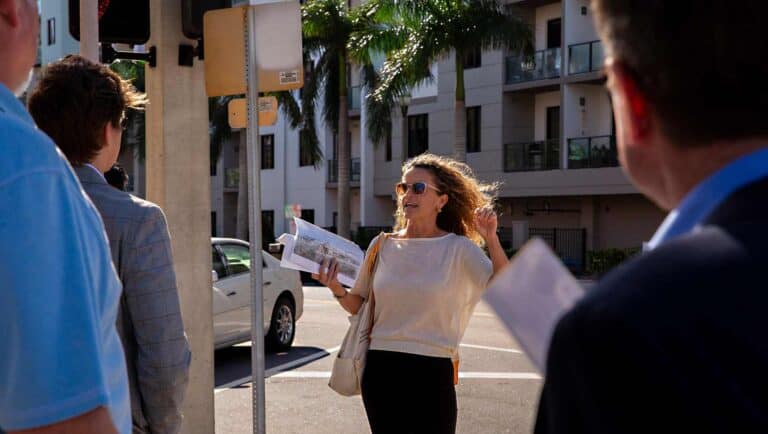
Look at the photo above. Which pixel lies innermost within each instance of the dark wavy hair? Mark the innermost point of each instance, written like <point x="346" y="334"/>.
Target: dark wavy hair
<point x="73" y="101"/>
<point x="465" y="194"/>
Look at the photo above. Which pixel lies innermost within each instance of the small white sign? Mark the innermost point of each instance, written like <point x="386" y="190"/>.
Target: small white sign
<point x="289" y="77"/>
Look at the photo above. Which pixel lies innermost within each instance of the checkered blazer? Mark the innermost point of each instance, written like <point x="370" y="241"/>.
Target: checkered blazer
<point x="149" y="320"/>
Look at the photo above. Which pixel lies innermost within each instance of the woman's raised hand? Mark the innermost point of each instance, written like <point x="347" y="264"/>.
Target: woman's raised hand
<point x="328" y="275"/>
<point x="486" y="222"/>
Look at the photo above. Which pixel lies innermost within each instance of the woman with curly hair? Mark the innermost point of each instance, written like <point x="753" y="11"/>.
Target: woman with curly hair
<point x="429" y="276"/>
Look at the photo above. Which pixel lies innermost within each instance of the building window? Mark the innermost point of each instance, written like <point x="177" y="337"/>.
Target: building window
<point x="473" y="129"/>
<point x="308" y="215"/>
<point x="51" y="31"/>
<point x="213" y="223"/>
<point x="473" y="58"/>
<point x="388" y="144"/>
<point x="268" y="151"/>
<point x="305" y="151"/>
<point x="267" y="228"/>
<point x="418" y="135"/>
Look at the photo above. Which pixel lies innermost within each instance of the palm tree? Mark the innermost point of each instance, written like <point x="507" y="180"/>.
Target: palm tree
<point x="327" y="26"/>
<point x="414" y="34"/>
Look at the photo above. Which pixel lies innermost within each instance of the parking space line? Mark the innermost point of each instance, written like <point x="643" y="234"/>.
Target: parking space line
<point x="483" y="347"/>
<point x="279" y="368"/>
<point x="465" y="375"/>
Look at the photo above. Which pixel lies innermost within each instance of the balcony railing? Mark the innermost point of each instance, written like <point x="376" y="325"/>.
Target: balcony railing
<point x="231" y="178"/>
<point x="353" y="98"/>
<point x="333" y="170"/>
<point x="586" y="57"/>
<point x="592" y="152"/>
<point x="541" y="155"/>
<point x="544" y="64"/>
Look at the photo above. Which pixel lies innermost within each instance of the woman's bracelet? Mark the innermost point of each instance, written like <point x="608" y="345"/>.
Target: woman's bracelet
<point x="339" y="297"/>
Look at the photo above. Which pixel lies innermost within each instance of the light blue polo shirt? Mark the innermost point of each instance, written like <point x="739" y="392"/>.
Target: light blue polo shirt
<point x="709" y="194"/>
<point x="60" y="355"/>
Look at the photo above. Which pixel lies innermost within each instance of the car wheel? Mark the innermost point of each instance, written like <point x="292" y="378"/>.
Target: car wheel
<point x="282" y="327"/>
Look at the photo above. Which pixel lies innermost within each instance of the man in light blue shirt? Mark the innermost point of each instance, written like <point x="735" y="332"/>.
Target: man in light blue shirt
<point x="62" y="368"/>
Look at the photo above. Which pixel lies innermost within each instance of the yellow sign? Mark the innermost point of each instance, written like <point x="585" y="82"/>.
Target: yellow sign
<point x="278" y="48"/>
<point x="238" y="112"/>
<point x="224" y="32"/>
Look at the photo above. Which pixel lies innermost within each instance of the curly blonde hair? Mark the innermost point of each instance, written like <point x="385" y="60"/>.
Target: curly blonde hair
<point x="465" y="194"/>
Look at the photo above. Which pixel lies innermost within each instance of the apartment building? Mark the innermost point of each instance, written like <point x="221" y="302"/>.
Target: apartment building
<point x="544" y="129"/>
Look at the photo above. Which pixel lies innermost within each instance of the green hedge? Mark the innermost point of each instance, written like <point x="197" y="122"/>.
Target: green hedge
<point x="600" y="262"/>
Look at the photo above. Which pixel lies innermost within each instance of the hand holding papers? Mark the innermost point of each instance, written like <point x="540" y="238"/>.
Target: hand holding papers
<point x="311" y="245"/>
<point x="530" y="295"/>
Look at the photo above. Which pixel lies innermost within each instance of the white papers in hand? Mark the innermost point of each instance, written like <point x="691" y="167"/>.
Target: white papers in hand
<point x="311" y="245"/>
<point x="530" y="295"/>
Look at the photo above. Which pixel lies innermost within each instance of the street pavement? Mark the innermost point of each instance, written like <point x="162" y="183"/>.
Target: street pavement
<point x="497" y="393"/>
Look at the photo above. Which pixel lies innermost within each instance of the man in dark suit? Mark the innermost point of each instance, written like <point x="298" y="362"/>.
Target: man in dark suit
<point x="674" y="340"/>
<point x="81" y="106"/>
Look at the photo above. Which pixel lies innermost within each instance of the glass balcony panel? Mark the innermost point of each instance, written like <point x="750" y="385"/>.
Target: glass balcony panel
<point x="603" y="152"/>
<point x="586" y="57"/>
<point x="578" y="58"/>
<point x="598" y="56"/>
<point x="540" y="155"/>
<point x="542" y="65"/>
<point x="354" y="170"/>
<point x="552" y="63"/>
<point x="592" y="152"/>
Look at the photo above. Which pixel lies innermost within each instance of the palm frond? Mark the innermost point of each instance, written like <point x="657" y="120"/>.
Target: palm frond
<point x="487" y="24"/>
<point x="289" y="106"/>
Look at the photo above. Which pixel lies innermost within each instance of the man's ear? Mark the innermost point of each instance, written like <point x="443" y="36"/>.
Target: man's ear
<point x="10" y="12"/>
<point x="105" y="134"/>
<point x="632" y="109"/>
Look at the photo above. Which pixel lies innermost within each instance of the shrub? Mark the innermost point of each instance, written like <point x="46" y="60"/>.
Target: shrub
<point x="600" y="262"/>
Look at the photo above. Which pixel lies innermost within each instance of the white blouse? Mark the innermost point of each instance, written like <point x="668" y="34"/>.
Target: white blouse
<point x="425" y="292"/>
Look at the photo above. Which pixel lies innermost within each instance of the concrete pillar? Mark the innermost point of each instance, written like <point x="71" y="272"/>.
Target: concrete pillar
<point x="178" y="179"/>
<point x="89" y="29"/>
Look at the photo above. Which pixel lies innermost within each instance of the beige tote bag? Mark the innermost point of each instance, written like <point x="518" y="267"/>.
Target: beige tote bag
<point x="347" y="373"/>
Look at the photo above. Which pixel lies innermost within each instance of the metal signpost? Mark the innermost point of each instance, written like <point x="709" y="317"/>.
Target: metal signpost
<point x="232" y="43"/>
<point x="89" y="29"/>
<point x="254" y="226"/>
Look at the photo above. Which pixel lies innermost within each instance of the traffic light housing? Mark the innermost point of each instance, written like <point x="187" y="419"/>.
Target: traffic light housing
<point x="120" y="21"/>
<point x="192" y="12"/>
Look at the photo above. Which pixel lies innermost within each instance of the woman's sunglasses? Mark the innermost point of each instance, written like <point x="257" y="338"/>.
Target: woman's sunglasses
<point x="417" y="187"/>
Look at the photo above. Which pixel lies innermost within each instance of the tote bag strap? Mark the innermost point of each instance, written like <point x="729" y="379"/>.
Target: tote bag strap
<point x="372" y="263"/>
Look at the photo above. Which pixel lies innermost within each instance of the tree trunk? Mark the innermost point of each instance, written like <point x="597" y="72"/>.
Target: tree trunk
<point x="242" y="188"/>
<point x="404" y="130"/>
<point x="459" y="113"/>
<point x="344" y="157"/>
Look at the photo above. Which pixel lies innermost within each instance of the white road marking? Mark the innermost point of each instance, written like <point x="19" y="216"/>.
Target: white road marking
<point x="483" y="347"/>
<point x="276" y="370"/>
<point x="465" y="375"/>
<point x="282" y="371"/>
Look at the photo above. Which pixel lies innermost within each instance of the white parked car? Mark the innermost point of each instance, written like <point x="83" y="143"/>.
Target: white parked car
<point x="283" y="296"/>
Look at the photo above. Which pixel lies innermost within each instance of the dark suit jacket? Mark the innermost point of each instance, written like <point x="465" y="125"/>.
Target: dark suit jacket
<point x="149" y="320"/>
<point x="673" y="341"/>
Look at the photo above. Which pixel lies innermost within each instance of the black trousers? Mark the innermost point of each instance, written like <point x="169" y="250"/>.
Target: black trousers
<point x="407" y="393"/>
